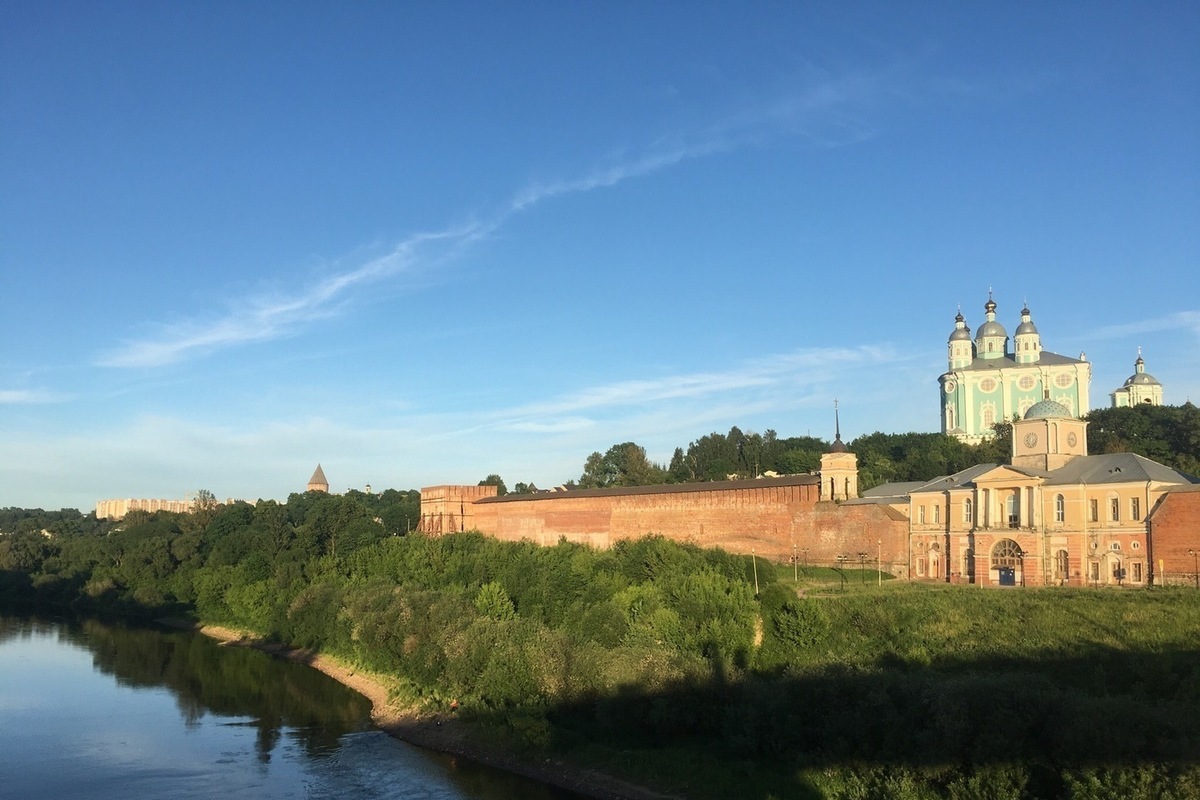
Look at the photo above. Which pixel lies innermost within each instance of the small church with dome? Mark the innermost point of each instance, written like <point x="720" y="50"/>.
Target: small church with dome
<point x="1140" y="388"/>
<point x="987" y="382"/>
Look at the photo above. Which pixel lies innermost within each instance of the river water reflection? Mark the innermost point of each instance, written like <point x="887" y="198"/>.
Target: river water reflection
<point x="93" y="711"/>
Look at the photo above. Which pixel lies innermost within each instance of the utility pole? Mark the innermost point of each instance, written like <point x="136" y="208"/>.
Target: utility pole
<point x="879" y="561"/>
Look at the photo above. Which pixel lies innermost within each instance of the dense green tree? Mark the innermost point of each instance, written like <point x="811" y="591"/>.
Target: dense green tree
<point x="497" y="481"/>
<point x="624" y="464"/>
<point x="1167" y="434"/>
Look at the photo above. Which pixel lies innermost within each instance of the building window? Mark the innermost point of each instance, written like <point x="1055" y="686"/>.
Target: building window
<point x="988" y="418"/>
<point x="1136" y="568"/>
<point x="920" y="515"/>
<point x="1060" y="508"/>
<point x="1115" y="507"/>
<point x="1095" y="507"/>
<point x="1135" y="508"/>
<point x="968" y="511"/>
<point x="937" y="515"/>
<point x="1135" y="545"/>
<point x="1115" y="547"/>
<point x="1062" y="564"/>
<point x="1013" y="508"/>
<point x="949" y="418"/>
<point x="1094" y="570"/>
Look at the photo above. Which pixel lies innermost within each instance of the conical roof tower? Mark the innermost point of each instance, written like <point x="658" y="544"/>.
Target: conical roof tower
<point x="317" y="482"/>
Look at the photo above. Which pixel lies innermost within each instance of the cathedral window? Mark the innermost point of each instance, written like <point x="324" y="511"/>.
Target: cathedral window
<point x="988" y="417"/>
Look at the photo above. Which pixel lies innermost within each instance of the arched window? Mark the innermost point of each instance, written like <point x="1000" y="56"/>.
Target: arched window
<point x="968" y="511"/>
<point x="937" y="515"/>
<point x="988" y="417"/>
<point x="949" y="418"/>
<point x="1007" y="553"/>
<point x="1060" y="508"/>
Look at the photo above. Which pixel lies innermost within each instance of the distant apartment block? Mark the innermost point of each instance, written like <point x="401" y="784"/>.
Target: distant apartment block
<point x="116" y="509"/>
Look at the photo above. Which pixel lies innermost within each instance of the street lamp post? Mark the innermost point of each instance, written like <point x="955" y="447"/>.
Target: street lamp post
<point x="879" y="561"/>
<point x="1195" y="566"/>
<point x="862" y="566"/>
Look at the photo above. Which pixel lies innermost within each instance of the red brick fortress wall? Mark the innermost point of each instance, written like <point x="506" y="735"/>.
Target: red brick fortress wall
<point x="1174" y="530"/>
<point x="449" y="509"/>
<point x="772" y="517"/>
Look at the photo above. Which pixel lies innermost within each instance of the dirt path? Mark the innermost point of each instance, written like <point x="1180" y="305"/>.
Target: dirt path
<point x="442" y="732"/>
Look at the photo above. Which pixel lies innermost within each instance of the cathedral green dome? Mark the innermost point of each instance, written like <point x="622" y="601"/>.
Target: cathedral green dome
<point x="1048" y="409"/>
<point x="991" y="328"/>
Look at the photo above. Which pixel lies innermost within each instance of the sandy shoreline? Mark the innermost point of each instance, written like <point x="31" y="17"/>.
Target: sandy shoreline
<point x="441" y="732"/>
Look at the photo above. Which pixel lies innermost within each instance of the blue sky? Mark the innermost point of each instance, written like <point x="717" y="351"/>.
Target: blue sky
<point x="424" y="242"/>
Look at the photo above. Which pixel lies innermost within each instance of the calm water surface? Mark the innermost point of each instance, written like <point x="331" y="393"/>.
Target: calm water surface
<point x="88" y="710"/>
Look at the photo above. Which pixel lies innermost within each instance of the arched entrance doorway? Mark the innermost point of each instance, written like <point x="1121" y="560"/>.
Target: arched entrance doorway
<point x="1007" y="562"/>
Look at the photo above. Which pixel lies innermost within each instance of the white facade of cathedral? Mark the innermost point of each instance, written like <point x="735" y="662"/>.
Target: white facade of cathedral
<point x="986" y="384"/>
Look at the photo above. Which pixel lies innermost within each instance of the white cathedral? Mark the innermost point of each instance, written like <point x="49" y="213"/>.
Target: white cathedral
<point x="986" y="384"/>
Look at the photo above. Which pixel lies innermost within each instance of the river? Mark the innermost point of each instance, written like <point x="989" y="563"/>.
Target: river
<point x="91" y="711"/>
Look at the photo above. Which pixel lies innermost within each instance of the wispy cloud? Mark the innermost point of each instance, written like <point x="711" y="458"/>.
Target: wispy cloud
<point x="808" y="367"/>
<point x="15" y="397"/>
<point x="1179" y="321"/>
<point x="605" y="177"/>
<point x="818" y="111"/>
<point x="274" y="316"/>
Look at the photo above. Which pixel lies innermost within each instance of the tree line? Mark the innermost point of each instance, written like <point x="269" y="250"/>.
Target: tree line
<point x="1167" y="434"/>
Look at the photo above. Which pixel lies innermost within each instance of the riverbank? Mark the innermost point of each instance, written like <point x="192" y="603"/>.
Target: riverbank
<point x="442" y="732"/>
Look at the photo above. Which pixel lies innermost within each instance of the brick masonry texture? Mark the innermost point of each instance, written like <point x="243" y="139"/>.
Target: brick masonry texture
<point x="773" y="518"/>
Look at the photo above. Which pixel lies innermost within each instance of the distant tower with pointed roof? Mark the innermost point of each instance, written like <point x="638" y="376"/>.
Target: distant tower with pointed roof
<point x="1140" y="388"/>
<point x="317" y="482"/>
<point x="839" y="467"/>
<point x="985" y="384"/>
